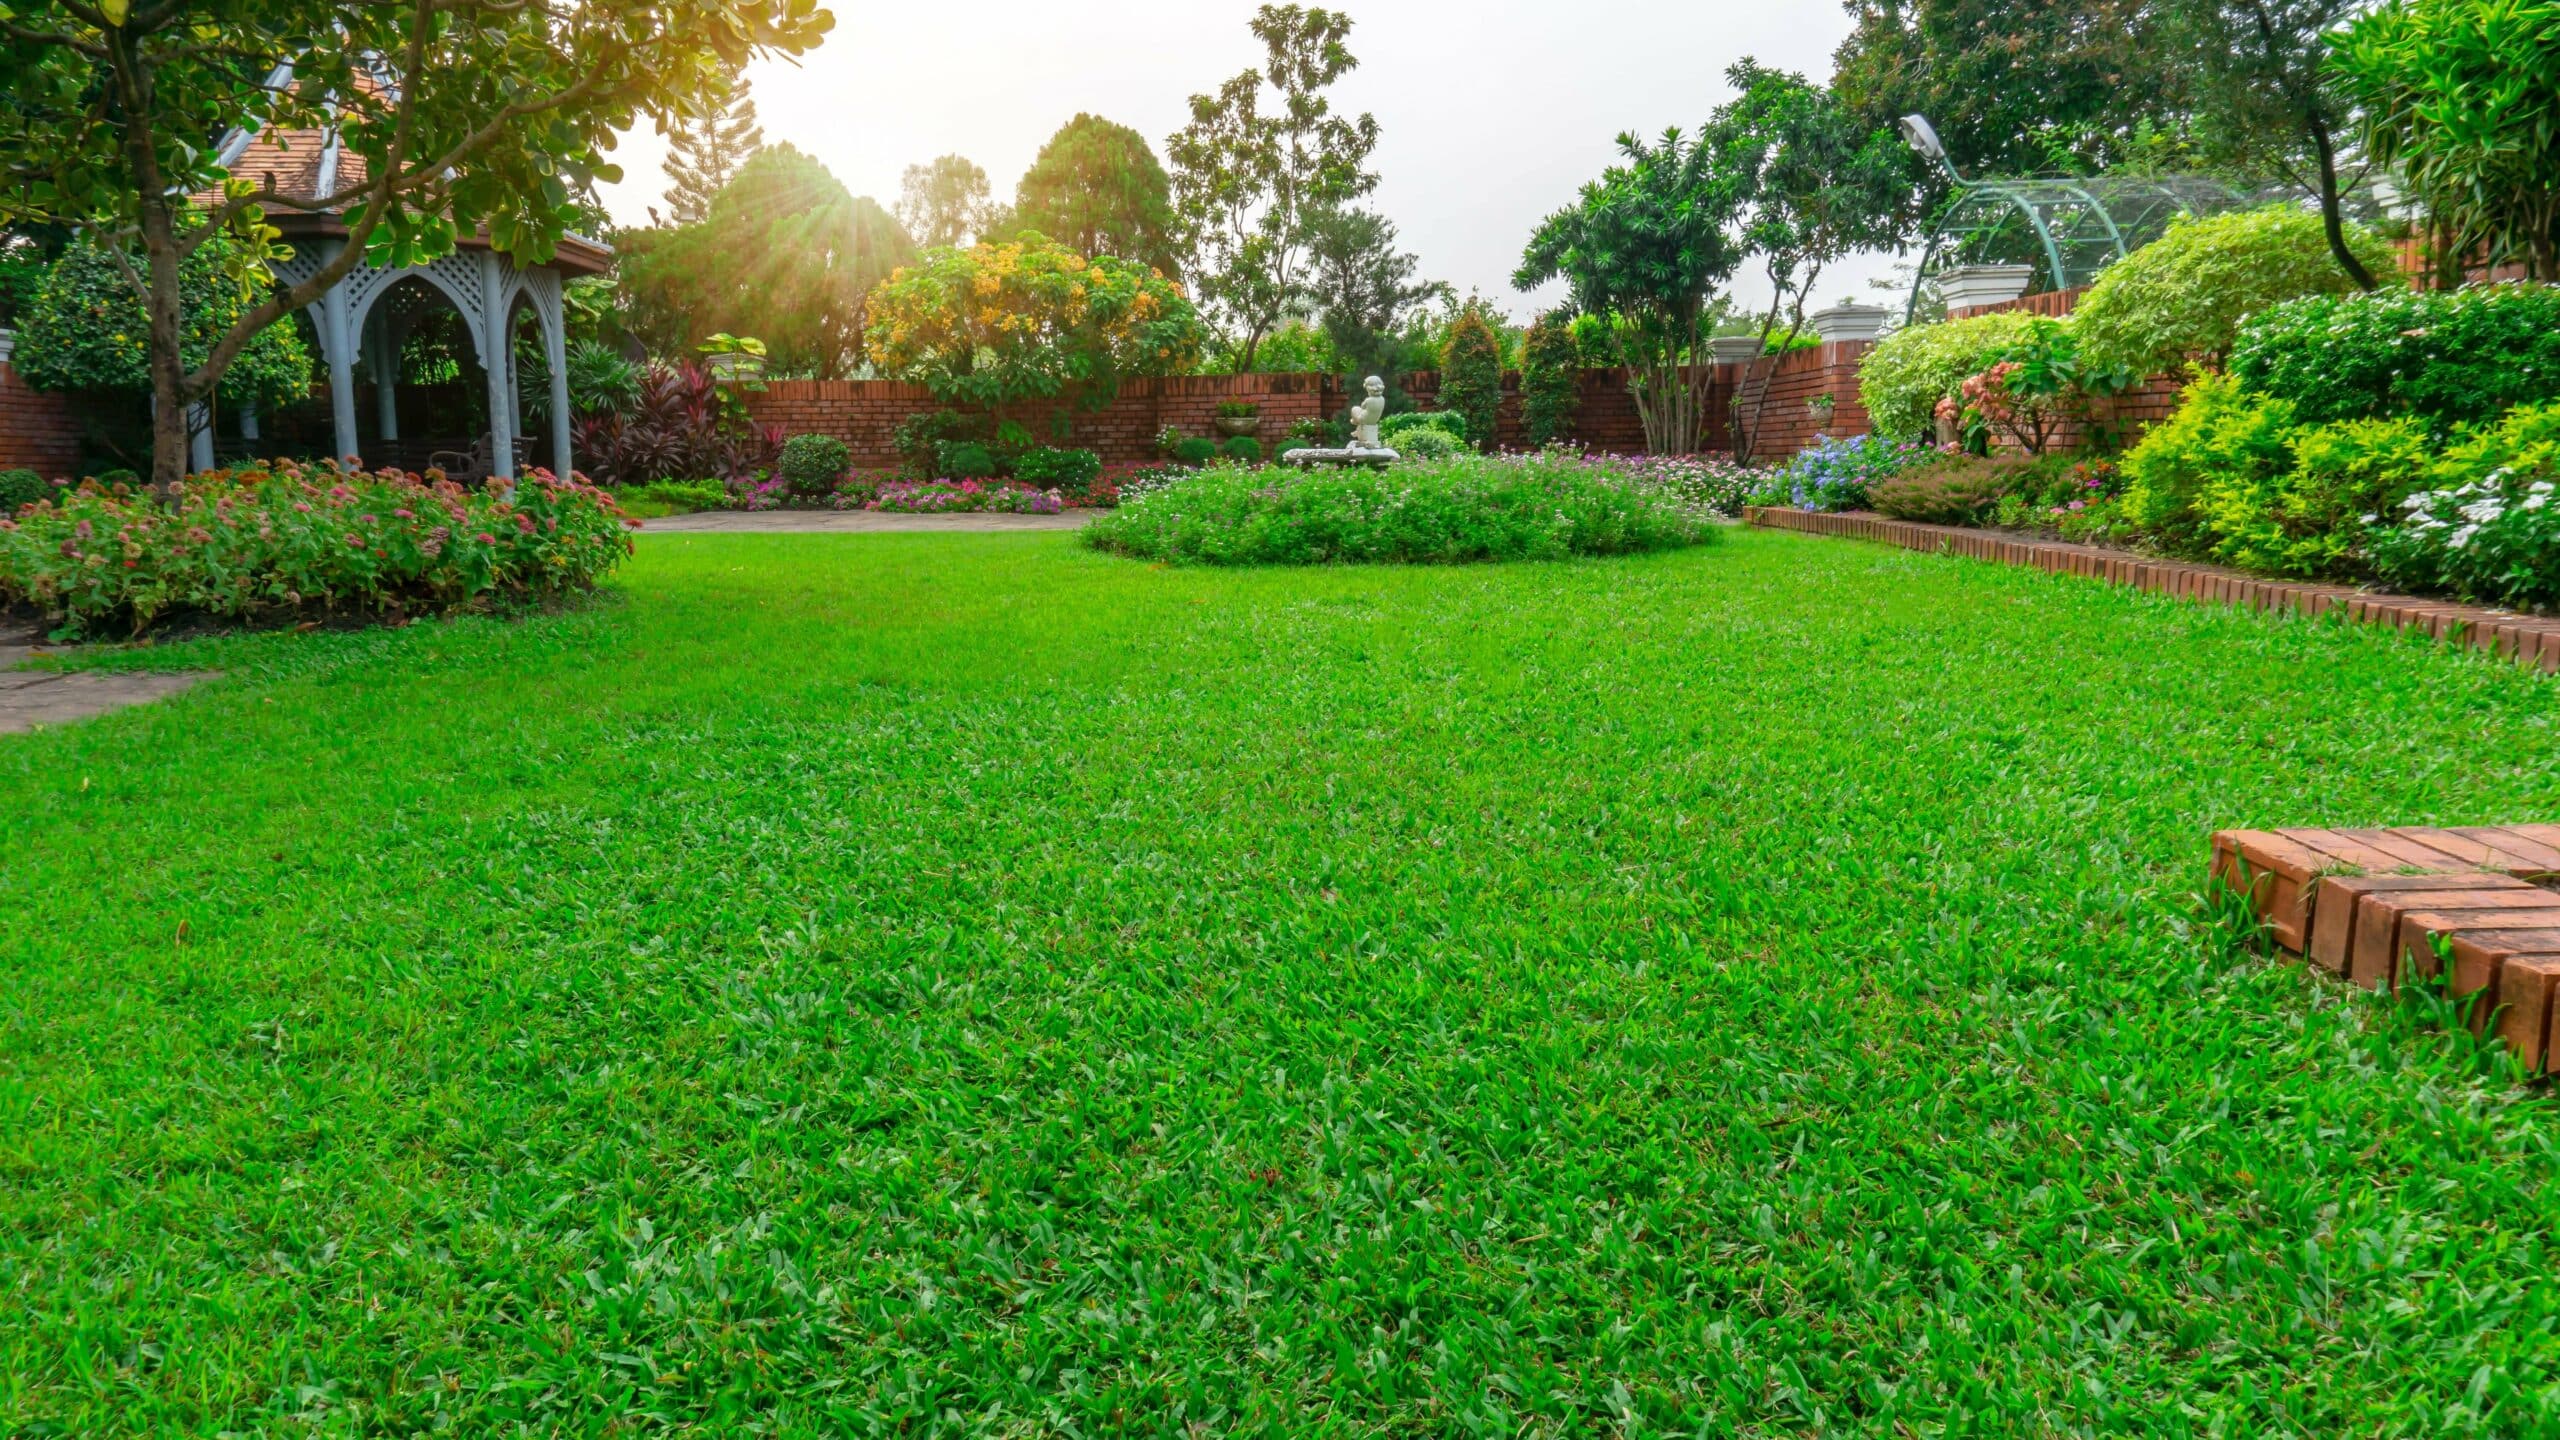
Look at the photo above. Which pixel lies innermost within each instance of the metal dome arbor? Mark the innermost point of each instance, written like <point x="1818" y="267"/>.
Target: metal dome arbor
<point x="2067" y="228"/>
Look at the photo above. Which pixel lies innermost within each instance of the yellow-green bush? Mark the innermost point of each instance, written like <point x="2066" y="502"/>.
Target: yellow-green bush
<point x="2308" y="519"/>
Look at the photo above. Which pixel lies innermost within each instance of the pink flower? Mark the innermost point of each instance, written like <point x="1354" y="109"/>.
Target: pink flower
<point x="488" y="539"/>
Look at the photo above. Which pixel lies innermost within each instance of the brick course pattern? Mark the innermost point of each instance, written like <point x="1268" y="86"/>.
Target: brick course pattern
<point x="865" y="413"/>
<point x="37" y="431"/>
<point x="2527" y="639"/>
<point x="2474" y="907"/>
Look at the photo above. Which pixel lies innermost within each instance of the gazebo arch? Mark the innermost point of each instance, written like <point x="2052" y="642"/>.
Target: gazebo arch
<point x="482" y="283"/>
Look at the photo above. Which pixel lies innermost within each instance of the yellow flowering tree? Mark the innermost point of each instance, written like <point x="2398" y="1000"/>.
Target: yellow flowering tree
<point x="994" y="325"/>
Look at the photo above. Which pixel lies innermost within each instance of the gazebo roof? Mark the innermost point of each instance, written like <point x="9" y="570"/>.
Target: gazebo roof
<point x="307" y="164"/>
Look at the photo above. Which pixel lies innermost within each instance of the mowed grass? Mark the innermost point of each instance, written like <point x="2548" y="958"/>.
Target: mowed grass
<point x="971" y="985"/>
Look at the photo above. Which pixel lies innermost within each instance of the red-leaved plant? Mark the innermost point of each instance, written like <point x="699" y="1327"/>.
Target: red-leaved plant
<point x="677" y="427"/>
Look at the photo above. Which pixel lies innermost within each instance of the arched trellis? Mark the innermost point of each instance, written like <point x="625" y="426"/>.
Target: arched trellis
<point x="2067" y="228"/>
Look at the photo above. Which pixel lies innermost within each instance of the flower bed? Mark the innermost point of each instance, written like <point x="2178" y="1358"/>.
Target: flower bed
<point x="262" y="544"/>
<point x="947" y="497"/>
<point x="1468" y="508"/>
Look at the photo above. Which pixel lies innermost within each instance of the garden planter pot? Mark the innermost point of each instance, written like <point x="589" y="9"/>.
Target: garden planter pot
<point x="1232" y="426"/>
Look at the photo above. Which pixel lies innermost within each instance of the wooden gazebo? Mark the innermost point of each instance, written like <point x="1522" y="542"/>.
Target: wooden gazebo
<point x="363" y="320"/>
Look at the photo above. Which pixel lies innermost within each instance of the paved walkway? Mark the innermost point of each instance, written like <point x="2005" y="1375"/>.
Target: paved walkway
<point x="856" y="522"/>
<point x="30" y="699"/>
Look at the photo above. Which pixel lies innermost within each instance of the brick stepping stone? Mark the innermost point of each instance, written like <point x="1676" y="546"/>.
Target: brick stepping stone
<point x="2476" y="906"/>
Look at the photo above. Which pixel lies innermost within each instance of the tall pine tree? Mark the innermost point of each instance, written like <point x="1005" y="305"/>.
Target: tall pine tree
<point x="707" y="150"/>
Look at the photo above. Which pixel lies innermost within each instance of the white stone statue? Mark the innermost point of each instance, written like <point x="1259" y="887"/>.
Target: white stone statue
<point x="1366" y="415"/>
<point x="1365" y="449"/>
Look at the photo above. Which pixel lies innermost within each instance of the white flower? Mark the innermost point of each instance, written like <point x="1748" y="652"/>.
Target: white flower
<point x="2418" y="501"/>
<point x="2481" y="512"/>
<point x="2463" y="536"/>
<point x="2538" y="487"/>
<point x="2536" y="502"/>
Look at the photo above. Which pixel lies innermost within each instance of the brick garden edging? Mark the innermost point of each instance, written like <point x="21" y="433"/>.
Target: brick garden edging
<point x="2377" y="907"/>
<point x="2530" y="639"/>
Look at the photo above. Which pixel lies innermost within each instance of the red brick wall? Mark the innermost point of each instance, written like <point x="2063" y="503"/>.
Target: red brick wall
<point x="865" y="413"/>
<point x="36" y="429"/>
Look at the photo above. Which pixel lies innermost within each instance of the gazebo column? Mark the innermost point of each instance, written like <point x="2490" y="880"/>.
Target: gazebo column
<point x="338" y="344"/>
<point x="495" y="358"/>
<point x="555" y="347"/>
<point x="248" y="420"/>
<point x="200" y="437"/>
<point x="386" y="375"/>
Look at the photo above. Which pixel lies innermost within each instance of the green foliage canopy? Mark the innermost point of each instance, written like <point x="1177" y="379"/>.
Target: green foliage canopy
<point x="86" y="331"/>
<point x="1098" y="189"/>
<point x="2183" y="296"/>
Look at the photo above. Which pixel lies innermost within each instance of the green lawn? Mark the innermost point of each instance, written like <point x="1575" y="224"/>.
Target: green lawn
<point x="968" y="984"/>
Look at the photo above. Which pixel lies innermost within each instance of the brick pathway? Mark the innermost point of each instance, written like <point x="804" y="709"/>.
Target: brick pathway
<point x="2476" y="906"/>
<point x="30" y="699"/>
<point x="2527" y="639"/>
<point x="857" y="522"/>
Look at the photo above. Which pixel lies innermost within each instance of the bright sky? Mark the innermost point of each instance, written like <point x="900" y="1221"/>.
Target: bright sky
<point x="1491" y="112"/>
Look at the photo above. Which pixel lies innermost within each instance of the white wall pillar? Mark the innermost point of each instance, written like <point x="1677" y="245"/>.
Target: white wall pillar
<point x="248" y="421"/>
<point x="338" y="345"/>
<point x="555" y="347"/>
<point x="495" y="357"/>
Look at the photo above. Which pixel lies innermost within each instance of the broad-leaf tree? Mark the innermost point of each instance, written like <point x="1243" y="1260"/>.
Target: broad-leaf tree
<point x="1645" y="246"/>
<point x="944" y="202"/>
<point x="2462" y="102"/>
<point x="1098" y="189"/>
<point x="785" y="254"/>
<point x="2265" y="98"/>
<point x="1821" y="185"/>
<point x="2011" y="86"/>
<point x="1001" y="324"/>
<point x="1261" y="160"/>
<point x="450" y="116"/>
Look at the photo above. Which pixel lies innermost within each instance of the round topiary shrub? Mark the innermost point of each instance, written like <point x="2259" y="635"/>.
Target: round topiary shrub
<point x="1245" y="449"/>
<point x="812" y="464"/>
<point x="1447" y="422"/>
<point x="2183" y="296"/>
<point x="21" y="487"/>
<point x="1426" y="443"/>
<point x="1195" y="452"/>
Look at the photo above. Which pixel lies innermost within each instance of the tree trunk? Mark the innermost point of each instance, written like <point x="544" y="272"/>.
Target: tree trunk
<point x="2331" y="218"/>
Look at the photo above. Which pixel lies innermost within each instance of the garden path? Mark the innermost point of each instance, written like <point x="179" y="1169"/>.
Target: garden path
<point x="30" y="699"/>
<point x="856" y="522"/>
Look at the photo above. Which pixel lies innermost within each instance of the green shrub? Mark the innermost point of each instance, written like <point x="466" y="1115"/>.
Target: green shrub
<point x="21" y="487"/>
<point x="2307" y="518"/>
<point x="964" y="460"/>
<point x="1427" y="443"/>
<point x="1055" y="468"/>
<point x="1447" y="422"/>
<point x="2447" y="357"/>
<point x="1244" y="449"/>
<point x="1471" y="377"/>
<point x="1902" y="380"/>
<point x="2221" y="434"/>
<point x="920" y="437"/>
<point x="86" y="330"/>
<point x="2490" y="531"/>
<point x="1840" y="474"/>
<point x="1550" y="382"/>
<point x="682" y="497"/>
<point x="1195" y="452"/>
<point x="2184" y="295"/>
<point x="1953" y="490"/>
<point x="1470" y="507"/>
<point x="812" y="464"/>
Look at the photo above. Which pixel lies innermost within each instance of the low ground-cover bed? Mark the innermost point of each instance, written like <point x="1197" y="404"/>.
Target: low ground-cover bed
<point x="1462" y="508"/>
<point x="266" y="543"/>
<point x="1755" y="991"/>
